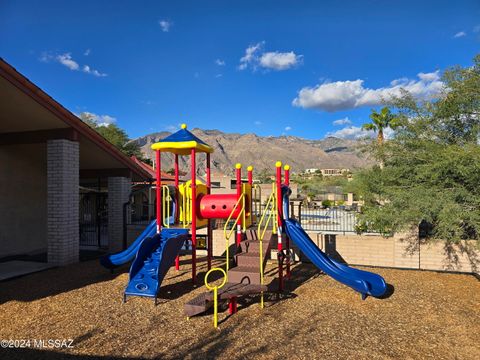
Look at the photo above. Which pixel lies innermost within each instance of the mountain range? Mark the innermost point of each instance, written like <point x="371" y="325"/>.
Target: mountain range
<point x="263" y="151"/>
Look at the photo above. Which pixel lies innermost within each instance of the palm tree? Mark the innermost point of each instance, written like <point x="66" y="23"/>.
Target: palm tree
<point x="381" y="121"/>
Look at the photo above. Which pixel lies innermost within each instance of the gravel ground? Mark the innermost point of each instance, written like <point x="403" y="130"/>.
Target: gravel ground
<point x="429" y="316"/>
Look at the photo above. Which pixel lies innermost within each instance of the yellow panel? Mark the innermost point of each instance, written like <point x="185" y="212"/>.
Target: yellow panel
<point x="185" y="205"/>
<point x="181" y="148"/>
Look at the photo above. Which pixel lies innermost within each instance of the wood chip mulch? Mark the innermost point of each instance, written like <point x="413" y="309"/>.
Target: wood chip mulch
<point x="429" y="316"/>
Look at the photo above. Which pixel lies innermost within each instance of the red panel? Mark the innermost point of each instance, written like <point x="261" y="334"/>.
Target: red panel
<point x="218" y="206"/>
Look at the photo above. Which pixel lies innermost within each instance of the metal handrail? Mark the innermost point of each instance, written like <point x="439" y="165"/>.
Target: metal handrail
<point x="244" y="220"/>
<point x="166" y="206"/>
<point x="186" y="207"/>
<point x="257" y="195"/>
<point x="272" y="215"/>
<point x="241" y="199"/>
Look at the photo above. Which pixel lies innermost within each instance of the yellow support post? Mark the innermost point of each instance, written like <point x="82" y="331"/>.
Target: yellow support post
<point x="215" y="293"/>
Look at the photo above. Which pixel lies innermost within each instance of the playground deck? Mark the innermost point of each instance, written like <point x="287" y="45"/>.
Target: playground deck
<point x="430" y="315"/>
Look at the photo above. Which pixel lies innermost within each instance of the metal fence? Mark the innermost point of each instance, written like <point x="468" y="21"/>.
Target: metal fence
<point x="93" y="224"/>
<point x="339" y="219"/>
<point x="335" y="219"/>
<point x="138" y="214"/>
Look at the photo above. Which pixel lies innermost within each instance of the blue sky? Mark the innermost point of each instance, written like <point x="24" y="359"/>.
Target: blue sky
<point x="303" y="68"/>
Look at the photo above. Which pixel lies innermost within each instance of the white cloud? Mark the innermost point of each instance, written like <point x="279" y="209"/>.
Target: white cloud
<point x="342" y="95"/>
<point x="88" y="70"/>
<point x="100" y="120"/>
<point x="66" y="60"/>
<point x="165" y="25"/>
<point x="87" y="52"/>
<point x="255" y="57"/>
<point x="258" y="123"/>
<point x="356" y="132"/>
<point x="460" y="34"/>
<point x="288" y="128"/>
<point x="220" y="62"/>
<point x="218" y="76"/>
<point x="172" y="128"/>
<point x="351" y="132"/>
<point x="476" y="28"/>
<point x="280" y="61"/>
<point x="250" y="56"/>
<point x="344" y="121"/>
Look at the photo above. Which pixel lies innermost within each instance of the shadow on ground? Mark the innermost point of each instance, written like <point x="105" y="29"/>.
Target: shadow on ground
<point x="63" y="279"/>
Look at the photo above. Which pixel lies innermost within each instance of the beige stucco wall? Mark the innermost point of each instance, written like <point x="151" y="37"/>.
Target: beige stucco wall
<point x="395" y="252"/>
<point x="399" y="251"/>
<point x="402" y="251"/>
<point x="23" y="199"/>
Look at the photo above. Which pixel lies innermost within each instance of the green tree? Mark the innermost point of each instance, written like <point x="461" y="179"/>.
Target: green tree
<point x="115" y="135"/>
<point x="380" y="122"/>
<point x="431" y="168"/>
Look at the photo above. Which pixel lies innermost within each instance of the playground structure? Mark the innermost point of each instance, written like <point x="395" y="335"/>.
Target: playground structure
<point x="184" y="209"/>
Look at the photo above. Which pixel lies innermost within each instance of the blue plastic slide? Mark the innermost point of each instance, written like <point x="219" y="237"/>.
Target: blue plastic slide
<point x="114" y="260"/>
<point x="154" y="257"/>
<point x="366" y="283"/>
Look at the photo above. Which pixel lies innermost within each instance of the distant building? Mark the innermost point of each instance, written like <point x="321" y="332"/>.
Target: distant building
<point x="311" y="171"/>
<point x="334" y="172"/>
<point x="225" y="184"/>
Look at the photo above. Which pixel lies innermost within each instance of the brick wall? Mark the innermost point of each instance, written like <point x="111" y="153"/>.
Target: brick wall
<point x="62" y="201"/>
<point x="119" y="189"/>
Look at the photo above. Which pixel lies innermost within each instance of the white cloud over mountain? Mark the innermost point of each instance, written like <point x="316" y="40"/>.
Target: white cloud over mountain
<point x="350" y="94"/>
<point x="344" y="121"/>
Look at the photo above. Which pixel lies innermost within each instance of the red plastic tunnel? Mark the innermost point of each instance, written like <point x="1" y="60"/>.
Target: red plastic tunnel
<point x="218" y="206"/>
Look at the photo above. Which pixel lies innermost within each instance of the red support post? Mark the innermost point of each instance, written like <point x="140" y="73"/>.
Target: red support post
<point x="287" y="174"/>
<point x="279" y="221"/>
<point x="177" y="259"/>
<point x="209" y="222"/>
<point x="250" y="174"/>
<point x="238" y="171"/>
<point x="194" y="216"/>
<point x="232" y="305"/>
<point x="159" y="190"/>
<point x="287" y="239"/>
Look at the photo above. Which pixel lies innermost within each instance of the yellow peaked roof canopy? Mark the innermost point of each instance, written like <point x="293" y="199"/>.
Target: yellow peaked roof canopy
<point x="181" y="143"/>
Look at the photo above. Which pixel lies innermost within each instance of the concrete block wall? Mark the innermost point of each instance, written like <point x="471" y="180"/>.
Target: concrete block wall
<point x="395" y="252"/>
<point x="63" y="158"/>
<point x="402" y="251"/>
<point x="119" y="189"/>
<point x="463" y="257"/>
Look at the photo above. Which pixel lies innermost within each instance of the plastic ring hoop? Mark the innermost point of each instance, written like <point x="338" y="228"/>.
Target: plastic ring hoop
<point x="224" y="278"/>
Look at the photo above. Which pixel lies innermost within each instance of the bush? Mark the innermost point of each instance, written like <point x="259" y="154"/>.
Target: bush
<point x="327" y="203"/>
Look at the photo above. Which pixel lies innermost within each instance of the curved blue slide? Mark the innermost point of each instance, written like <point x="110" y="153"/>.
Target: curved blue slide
<point x="366" y="283"/>
<point x="122" y="257"/>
